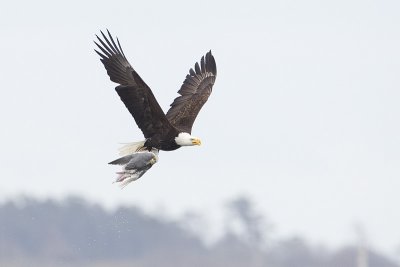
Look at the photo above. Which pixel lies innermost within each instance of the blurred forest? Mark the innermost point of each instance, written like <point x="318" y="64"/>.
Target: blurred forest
<point x="74" y="232"/>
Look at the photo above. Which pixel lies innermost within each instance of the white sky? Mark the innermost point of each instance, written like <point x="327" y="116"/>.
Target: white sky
<point x="304" y="117"/>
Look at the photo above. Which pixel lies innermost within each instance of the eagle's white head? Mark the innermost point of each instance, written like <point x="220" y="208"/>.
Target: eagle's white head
<point x="185" y="139"/>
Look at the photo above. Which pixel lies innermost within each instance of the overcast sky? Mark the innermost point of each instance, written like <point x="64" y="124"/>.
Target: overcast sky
<point x="303" y="119"/>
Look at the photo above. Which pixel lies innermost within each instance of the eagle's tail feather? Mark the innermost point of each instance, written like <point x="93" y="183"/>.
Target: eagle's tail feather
<point x="131" y="148"/>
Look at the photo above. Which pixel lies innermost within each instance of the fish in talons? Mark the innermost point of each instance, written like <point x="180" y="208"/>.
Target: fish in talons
<point x="134" y="166"/>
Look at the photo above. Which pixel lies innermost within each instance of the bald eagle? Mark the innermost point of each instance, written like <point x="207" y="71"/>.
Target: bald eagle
<point x="162" y="131"/>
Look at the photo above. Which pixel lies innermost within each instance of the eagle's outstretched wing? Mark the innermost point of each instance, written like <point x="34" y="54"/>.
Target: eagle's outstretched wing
<point x="133" y="91"/>
<point x="194" y="92"/>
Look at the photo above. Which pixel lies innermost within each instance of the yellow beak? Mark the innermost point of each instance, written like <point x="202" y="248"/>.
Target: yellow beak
<point x="196" y="142"/>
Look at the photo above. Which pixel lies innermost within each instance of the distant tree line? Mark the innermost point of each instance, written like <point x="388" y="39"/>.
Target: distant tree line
<point x="77" y="233"/>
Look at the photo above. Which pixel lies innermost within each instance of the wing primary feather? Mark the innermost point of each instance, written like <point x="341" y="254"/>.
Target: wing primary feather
<point x="122" y="51"/>
<point x="106" y="54"/>
<point x="110" y="52"/>
<point x="109" y="44"/>
<point x="208" y="67"/>
<point x="203" y="68"/>
<point x="213" y="64"/>
<point x="112" y="40"/>
<point x="197" y="68"/>
<point x="100" y="54"/>
<point x="113" y="51"/>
